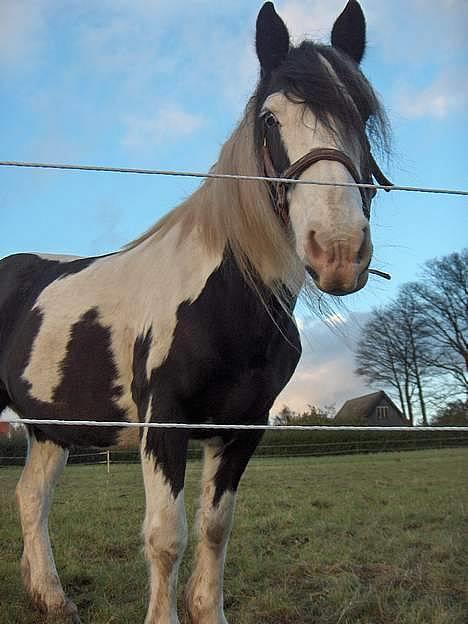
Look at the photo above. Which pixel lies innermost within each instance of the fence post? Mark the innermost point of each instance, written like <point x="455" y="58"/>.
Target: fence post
<point x="108" y="462"/>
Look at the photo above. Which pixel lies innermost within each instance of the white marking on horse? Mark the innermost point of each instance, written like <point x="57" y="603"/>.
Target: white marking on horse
<point x="330" y="216"/>
<point x="124" y="307"/>
<point x="44" y="464"/>
<point x="165" y="535"/>
<point x="332" y="210"/>
<point x="204" y="595"/>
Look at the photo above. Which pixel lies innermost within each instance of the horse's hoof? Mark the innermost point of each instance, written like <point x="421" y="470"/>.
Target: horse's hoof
<point x="67" y="614"/>
<point x="62" y="618"/>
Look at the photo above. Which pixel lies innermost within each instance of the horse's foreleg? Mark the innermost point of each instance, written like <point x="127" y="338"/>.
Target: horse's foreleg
<point x="44" y="464"/>
<point x="222" y="470"/>
<point x="165" y="525"/>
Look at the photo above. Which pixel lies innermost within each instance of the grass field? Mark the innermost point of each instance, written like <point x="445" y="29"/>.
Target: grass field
<point x="369" y="539"/>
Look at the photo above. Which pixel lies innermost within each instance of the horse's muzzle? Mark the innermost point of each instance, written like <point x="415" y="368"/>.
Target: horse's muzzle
<point x="340" y="266"/>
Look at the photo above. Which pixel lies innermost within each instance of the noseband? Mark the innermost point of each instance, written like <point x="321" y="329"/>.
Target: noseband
<point x="297" y="168"/>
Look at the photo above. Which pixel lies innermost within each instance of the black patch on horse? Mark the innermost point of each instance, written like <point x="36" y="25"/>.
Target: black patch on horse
<point x="231" y="355"/>
<point x="86" y="391"/>
<point x="22" y="278"/>
<point x="275" y="146"/>
<point x="4" y="398"/>
<point x="140" y="383"/>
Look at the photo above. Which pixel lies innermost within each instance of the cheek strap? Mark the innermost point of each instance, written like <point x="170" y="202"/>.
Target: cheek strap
<point x="302" y="164"/>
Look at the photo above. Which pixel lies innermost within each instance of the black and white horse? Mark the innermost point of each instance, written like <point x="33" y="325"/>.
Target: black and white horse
<point x="192" y="322"/>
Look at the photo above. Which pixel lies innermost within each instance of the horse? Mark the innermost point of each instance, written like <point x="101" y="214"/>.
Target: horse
<point x="193" y="321"/>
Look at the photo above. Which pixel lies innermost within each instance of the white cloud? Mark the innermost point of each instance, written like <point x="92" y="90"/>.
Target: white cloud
<point x="325" y="374"/>
<point x="446" y="95"/>
<point x="413" y="33"/>
<point x="23" y="25"/>
<point x="167" y="124"/>
<point x="311" y="18"/>
<point x="8" y="413"/>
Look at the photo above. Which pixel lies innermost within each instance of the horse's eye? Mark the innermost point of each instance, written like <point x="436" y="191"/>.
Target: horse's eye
<point x="270" y="120"/>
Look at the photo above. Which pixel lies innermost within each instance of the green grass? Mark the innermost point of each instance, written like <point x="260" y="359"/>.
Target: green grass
<point x="370" y="539"/>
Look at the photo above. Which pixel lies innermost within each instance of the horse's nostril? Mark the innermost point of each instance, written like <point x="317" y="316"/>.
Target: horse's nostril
<point x="315" y="250"/>
<point x="363" y="249"/>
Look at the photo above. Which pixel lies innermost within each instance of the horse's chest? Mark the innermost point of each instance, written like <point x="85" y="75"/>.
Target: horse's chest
<point x="224" y="369"/>
<point x="243" y="395"/>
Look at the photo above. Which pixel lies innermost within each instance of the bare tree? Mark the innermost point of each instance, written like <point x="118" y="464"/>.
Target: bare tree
<point x="412" y="341"/>
<point x="422" y="337"/>
<point x="381" y="358"/>
<point x="286" y="416"/>
<point x="314" y="415"/>
<point x="443" y="295"/>
<point x="455" y="414"/>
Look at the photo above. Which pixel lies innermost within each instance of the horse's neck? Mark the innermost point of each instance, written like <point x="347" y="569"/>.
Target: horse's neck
<point x="172" y="268"/>
<point x="166" y="269"/>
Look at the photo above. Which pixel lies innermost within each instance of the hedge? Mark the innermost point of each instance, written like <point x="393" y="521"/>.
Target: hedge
<point x="276" y="443"/>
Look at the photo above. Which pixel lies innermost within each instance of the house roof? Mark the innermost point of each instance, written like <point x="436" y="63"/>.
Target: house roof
<point x="363" y="406"/>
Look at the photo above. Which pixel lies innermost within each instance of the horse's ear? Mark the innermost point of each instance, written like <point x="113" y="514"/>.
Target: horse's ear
<point x="271" y="40"/>
<point x="349" y="31"/>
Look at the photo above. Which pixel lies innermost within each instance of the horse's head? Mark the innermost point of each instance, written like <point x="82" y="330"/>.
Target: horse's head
<point x="313" y="106"/>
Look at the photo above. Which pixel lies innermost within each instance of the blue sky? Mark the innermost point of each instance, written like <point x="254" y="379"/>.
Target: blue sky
<point x="147" y="83"/>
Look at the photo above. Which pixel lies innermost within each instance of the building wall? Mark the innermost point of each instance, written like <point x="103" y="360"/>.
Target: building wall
<point x="390" y="418"/>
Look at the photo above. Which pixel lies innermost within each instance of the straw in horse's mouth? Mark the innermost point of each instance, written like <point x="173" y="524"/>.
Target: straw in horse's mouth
<point x="382" y="274"/>
<point x="386" y="276"/>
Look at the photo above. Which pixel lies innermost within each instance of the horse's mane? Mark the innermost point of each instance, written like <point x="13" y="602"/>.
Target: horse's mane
<point x="237" y="215"/>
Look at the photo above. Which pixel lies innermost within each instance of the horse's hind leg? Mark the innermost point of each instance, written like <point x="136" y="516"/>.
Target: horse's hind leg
<point x="44" y="464"/>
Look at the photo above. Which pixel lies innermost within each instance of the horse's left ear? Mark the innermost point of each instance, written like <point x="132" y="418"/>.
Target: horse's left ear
<point x="271" y="40"/>
<point x="349" y="31"/>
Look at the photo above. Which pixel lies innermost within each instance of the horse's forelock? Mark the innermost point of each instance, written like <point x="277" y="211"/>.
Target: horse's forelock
<point x="305" y="77"/>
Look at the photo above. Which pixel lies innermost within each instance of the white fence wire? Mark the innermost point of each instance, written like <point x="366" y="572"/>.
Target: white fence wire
<point x="179" y="425"/>
<point x="212" y="426"/>
<point x="283" y="452"/>
<point x="225" y="176"/>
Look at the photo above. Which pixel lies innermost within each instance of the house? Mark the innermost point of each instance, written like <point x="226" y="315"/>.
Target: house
<point x="376" y="409"/>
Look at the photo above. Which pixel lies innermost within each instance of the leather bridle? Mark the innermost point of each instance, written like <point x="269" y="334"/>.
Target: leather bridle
<point x="297" y="168"/>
